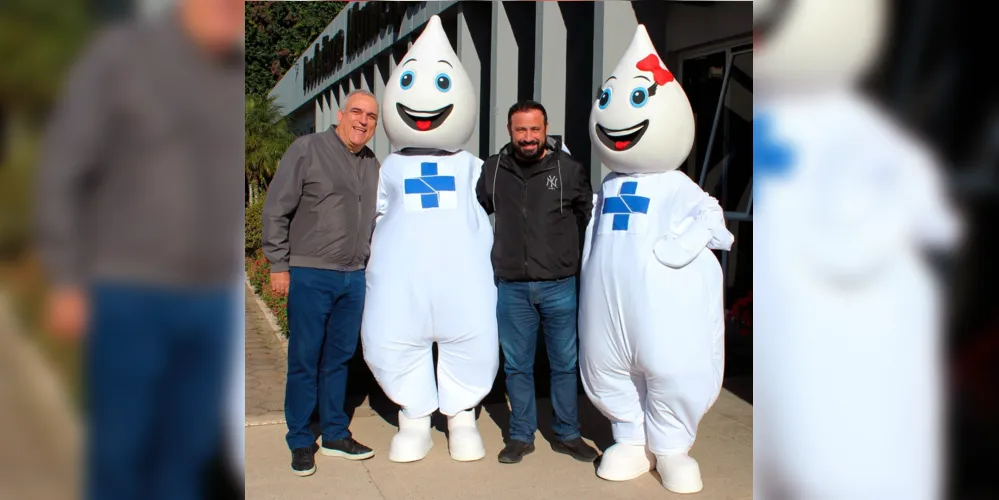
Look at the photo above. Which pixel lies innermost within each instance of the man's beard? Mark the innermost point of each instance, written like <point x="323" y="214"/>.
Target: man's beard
<point x="519" y="149"/>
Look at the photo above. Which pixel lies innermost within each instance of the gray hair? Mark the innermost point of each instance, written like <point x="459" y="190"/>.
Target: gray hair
<point x="352" y="94"/>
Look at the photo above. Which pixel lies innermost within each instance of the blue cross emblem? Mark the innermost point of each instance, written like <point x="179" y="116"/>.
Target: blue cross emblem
<point x="625" y="204"/>
<point x="771" y="157"/>
<point x="429" y="184"/>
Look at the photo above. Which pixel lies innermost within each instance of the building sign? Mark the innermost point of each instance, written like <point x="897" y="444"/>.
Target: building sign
<point x="327" y="59"/>
<point x="365" y="26"/>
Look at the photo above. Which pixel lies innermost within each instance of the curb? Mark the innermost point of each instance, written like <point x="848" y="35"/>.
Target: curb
<point x="271" y="320"/>
<point x="258" y="422"/>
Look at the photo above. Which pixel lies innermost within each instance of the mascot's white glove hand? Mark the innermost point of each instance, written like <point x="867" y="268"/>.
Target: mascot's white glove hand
<point x="677" y="251"/>
<point x="707" y="231"/>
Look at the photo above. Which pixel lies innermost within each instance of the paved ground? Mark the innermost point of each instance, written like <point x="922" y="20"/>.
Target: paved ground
<point x="723" y="449"/>
<point x="39" y="458"/>
<point x="266" y="367"/>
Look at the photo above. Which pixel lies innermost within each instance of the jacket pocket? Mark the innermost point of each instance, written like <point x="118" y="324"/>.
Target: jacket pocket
<point x="331" y="238"/>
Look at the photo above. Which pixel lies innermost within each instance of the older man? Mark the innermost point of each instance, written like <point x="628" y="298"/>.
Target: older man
<point x="138" y="206"/>
<point x="318" y="219"/>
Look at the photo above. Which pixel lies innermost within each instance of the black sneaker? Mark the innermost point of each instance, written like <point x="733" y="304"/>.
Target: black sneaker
<point x="346" y="448"/>
<point x="303" y="461"/>
<point x="576" y="448"/>
<point x="515" y="451"/>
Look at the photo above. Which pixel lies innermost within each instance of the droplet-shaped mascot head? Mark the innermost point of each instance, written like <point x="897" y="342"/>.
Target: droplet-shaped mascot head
<point x="429" y="101"/>
<point x="807" y="45"/>
<point x="641" y="121"/>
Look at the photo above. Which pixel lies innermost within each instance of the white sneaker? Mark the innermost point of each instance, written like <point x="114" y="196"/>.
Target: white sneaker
<point x="413" y="441"/>
<point x="465" y="443"/>
<point x="624" y="462"/>
<point x="680" y="473"/>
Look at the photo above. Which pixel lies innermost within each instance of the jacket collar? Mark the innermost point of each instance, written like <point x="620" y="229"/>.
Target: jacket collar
<point x="364" y="152"/>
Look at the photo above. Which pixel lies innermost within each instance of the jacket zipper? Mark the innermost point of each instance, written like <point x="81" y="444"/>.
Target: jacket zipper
<point x="357" y="239"/>
<point x="523" y="208"/>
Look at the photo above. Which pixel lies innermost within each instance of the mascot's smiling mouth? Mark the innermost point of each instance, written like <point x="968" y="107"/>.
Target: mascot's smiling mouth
<point x="622" y="139"/>
<point x="424" y="120"/>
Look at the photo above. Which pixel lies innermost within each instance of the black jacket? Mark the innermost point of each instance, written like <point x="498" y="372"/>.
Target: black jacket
<point x="541" y="213"/>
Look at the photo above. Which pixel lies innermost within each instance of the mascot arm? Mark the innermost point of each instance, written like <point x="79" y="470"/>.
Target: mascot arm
<point x="476" y="187"/>
<point x="588" y="234"/>
<point x="707" y="231"/>
<point x="938" y="225"/>
<point x="381" y="207"/>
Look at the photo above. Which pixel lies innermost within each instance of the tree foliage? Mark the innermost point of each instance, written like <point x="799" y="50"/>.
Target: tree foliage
<point x="277" y="33"/>
<point x="267" y="138"/>
<point x="38" y="41"/>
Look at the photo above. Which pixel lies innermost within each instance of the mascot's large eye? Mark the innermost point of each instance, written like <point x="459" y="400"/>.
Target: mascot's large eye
<point x="639" y="97"/>
<point x="604" y="98"/>
<point x="443" y="82"/>
<point x="407" y="80"/>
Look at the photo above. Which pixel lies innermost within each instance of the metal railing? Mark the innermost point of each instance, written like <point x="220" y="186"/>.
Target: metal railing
<point x="737" y="216"/>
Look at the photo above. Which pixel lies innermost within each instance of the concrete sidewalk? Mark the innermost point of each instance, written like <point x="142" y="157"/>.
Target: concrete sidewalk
<point x="39" y="428"/>
<point x="723" y="449"/>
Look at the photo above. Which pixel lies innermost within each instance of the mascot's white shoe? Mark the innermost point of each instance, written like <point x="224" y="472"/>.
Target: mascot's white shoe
<point x="680" y="473"/>
<point x="412" y="442"/>
<point x="464" y="442"/>
<point x="624" y="462"/>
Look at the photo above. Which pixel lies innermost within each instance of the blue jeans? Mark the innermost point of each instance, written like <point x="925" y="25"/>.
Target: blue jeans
<point x="156" y="359"/>
<point x="324" y="319"/>
<point x="521" y="307"/>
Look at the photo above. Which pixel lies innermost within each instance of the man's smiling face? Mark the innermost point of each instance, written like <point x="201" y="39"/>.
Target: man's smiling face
<point x="429" y="100"/>
<point x="641" y="120"/>
<point x="357" y="120"/>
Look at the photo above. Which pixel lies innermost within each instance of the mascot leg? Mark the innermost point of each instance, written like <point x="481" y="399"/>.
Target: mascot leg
<point x="676" y="404"/>
<point x="467" y="360"/>
<point x="466" y="369"/>
<point x="403" y="365"/>
<point x="621" y="398"/>
<point x="684" y="376"/>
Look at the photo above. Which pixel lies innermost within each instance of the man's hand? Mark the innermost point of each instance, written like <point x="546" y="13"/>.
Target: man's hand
<point x="279" y="282"/>
<point x="68" y="312"/>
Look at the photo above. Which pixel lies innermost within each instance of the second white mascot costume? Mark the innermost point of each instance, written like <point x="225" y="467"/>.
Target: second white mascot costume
<point x="847" y="202"/>
<point x="651" y="314"/>
<point x="429" y="278"/>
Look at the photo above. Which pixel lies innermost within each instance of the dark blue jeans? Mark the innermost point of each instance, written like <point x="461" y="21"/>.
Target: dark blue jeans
<point x="156" y="361"/>
<point x="521" y="307"/>
<point x="324" y="319"/>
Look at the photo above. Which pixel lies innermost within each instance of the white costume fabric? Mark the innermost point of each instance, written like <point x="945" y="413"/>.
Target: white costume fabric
<point x="849" y="327"/>
<point x="851" y="316"/>
<point x="651" y="310"/>
<point x="430" y="278"/>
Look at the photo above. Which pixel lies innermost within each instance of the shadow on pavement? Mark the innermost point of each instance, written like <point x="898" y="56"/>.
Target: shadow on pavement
<point x="594" y="426"/>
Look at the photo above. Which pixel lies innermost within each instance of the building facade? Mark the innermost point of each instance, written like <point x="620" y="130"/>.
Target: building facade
<point x="557" y="53"/>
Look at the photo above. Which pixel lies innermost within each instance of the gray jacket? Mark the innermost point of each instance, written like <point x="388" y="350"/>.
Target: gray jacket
<point x="142" y="176"/>
<point x="320" y="208"/>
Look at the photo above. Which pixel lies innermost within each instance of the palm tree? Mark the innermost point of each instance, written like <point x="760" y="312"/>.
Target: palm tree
<point x="267" y="138"/>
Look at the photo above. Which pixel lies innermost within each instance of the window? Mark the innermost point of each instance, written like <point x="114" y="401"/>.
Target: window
<point x="719" y="84"/>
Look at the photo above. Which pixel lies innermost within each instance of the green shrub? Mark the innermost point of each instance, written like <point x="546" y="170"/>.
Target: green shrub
<point x="17" y="171"/>
<point x="258" y="273"/>
<point x="254" y="225"/>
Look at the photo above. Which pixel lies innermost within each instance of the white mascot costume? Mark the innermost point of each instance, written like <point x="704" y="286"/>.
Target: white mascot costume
<point x="429" y="278"/>
<point x="848" y="354"/>
<point x="651" y="313"/>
